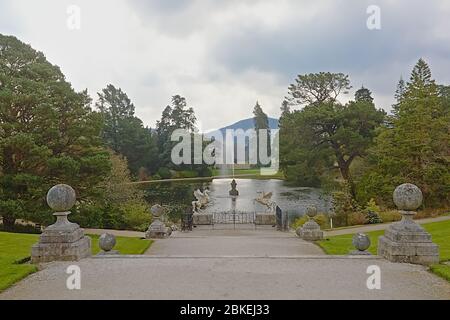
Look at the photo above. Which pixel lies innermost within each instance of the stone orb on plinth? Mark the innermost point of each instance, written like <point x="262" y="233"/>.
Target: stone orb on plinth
<point x="61" y="198"/>
<point x="106" y="242"/>
<point x="311" y="212"/>
<point x="361" y="241"/>
<point x="157" y="211"/>
<point x="407" y="197"/>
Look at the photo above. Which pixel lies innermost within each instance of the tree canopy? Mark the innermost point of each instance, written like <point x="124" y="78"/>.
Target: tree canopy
<point x="125" y="133"/>
<point x="415" y="147"/>
<point x="48" y="134"/>
<point x="317" y="88"/>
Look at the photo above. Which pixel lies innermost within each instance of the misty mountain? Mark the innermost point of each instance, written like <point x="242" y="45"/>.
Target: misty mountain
<point x="246" y="124"/>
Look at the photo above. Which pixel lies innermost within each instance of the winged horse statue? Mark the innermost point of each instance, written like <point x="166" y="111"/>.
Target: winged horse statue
<point x="266" y="200"/>
<point x="202" y="200"/>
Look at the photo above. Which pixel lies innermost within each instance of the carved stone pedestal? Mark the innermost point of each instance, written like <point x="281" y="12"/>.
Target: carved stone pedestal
<point x="62" y="241"/>
<point x="406" y="241"/>
<point x="310" y="231"/>
<point x="157" y="230"/>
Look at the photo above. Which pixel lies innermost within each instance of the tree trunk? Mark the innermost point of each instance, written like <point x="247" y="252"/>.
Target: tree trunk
<point x="9" y="223"/>
<point x="344" y="168"/>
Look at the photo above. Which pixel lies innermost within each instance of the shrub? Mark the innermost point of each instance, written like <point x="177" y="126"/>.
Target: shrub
<point x="372" y="213"/>
<point x="372" y="217"/>
<point x="390" y="216"/>
<point x="299" y="222"/>
<point x="136" y="215"/>
<point x="164" y="173"/>
<point x="22" y="228"/>
<point x="322" y="220"/>
<point x="88" y="215"/>
<point x="205" y="172"/>
<point x="356" y="218"/>
<point x="187" y="174"/>
<point x="343" y="206"/>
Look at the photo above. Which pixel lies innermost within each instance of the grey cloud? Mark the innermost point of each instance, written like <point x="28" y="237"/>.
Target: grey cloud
<point x="338" y="40"/>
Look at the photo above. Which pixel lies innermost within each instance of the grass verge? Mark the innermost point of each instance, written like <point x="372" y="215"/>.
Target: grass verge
<point x="15" y="249"/>
<point x="440" y="233"/>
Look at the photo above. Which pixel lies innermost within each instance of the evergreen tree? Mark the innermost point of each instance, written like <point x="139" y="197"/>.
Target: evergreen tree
<point x="324" y="134"/>
<point x="317" y="88"/>
<point x="176" y="116"/>
<point x="399" y="94"/>
<point x="48" y="135"/>
<point x="415" y="148"/>
<point x="260" y="119"/>
<point x="285" y="111"/>
<point x="123" y="132"/>
<point x="261" y="122"/>
<point x="363" y="95"/>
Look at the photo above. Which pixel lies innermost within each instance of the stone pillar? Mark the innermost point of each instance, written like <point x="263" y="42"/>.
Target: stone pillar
<point x="310" y="230"/>
<point x="406" y="241"/>
<point x="157" y="229"/>
<point x="62" y="241"/>
<point x="361" y="242"/>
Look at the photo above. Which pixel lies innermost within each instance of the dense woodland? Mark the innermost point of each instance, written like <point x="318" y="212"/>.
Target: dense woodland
<point x="50" y="134"/>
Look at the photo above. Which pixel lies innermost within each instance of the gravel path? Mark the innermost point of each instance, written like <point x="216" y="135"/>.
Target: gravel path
<point x="231" y="278"/>
<point x="204" y="242"/>
<point x="231" y="264"/>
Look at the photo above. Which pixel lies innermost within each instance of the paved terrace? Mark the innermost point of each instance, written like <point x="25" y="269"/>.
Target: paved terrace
<point x="232" y="264"/>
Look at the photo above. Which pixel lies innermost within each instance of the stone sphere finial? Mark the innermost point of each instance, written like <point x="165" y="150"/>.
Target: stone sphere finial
<point x="311" y="211"/>
<point x="407" y="197"/>
<point x="157" y="210"/>
<point x="361" y="241"/>
<point x="106" y="242"/>
<point x="61" y="198"/>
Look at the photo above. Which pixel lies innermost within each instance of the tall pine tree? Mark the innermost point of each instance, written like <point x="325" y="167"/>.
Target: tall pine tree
<point x="415" y="147"/>
<point x="48" y="135"/>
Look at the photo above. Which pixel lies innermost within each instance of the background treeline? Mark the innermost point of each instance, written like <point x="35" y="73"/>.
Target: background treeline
<point x="50" y="134"/>
<point x="360" y="152"/>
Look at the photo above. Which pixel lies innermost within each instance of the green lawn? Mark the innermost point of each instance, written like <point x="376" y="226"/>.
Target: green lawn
<point x="441" y="270"/>
<point x="14" y="248"/>
<point x="15" y="251"/>
<point x="125" y="245"/>
<point x="440" y="233"/>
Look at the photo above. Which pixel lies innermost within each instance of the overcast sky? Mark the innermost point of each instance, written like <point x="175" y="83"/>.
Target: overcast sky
<point x="224" y="55"/>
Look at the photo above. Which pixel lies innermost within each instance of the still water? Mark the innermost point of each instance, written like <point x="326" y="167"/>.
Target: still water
<point x="293" y="200"/>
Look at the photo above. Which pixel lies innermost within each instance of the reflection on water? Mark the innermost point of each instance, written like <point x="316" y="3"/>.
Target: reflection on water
<point x="293" y="200"/>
